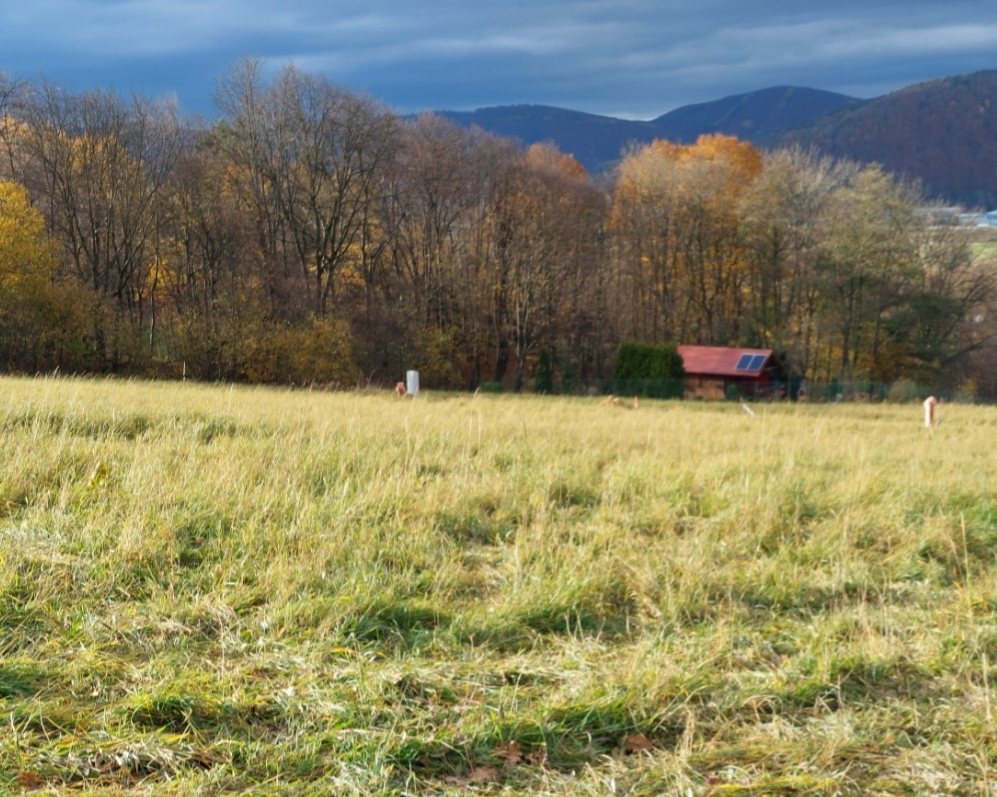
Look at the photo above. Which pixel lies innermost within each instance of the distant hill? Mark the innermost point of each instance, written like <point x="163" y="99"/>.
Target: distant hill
<point x="752" y="116"/>
<point x="943" y="132"/>
<point x="596" y="141"/>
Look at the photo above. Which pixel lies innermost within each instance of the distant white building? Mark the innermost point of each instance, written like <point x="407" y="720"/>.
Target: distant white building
<point x="988" y="219"/>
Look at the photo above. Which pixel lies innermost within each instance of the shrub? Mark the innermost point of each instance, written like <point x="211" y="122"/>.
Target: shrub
<point x="644" y="369"/>
<point x="543" y="375"/>
<point x="319" y="352"/>
<point x="569" y="378"/>
<point x="439" y="360"/>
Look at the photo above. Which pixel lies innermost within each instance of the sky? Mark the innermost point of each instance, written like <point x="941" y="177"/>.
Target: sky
<point x="630" y="58"/>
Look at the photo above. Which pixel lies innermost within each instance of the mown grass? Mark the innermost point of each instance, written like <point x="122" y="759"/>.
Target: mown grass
<point x="207" y="590"/>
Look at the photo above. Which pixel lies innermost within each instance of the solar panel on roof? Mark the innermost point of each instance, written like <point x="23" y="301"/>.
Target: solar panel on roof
<point x="756" y="362"/>
<point x="744" y="363"/>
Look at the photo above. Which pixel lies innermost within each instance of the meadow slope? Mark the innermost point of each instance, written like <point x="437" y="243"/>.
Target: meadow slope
<point x="207" y="590"/>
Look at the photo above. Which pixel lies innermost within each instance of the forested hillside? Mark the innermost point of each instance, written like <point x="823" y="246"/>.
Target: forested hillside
<point x="943" y="132"/>
<point x="752" y="116"/>
<point x="598" y="141"/>
<point x="311" y="235"/>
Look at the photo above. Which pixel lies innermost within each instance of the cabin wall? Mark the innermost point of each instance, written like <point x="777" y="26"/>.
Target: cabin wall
<point x="705" y="387"/>
<point x="710" y="387"/>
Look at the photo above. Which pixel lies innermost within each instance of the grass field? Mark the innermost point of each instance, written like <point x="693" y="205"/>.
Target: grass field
<point x="209" y="590"/>
<point x="983" y="250"/>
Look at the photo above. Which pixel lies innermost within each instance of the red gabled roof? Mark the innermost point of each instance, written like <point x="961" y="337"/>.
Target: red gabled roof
<point x="719" y="360"/>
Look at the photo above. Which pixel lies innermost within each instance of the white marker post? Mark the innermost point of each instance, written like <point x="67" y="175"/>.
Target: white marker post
<point x="412" y="383"/>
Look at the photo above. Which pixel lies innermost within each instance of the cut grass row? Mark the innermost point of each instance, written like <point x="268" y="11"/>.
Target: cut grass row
<point x="207" y="589"/>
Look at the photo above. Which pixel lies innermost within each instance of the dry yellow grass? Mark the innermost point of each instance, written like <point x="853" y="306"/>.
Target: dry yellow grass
<point x="212" y="589"/>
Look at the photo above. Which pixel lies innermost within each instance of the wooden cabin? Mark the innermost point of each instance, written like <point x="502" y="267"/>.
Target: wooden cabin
<point x="711" y="370"/>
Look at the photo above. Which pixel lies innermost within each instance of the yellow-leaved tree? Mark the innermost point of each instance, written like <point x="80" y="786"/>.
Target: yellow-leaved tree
<point x="40" y="321"/>
<point x="27" y="257"/>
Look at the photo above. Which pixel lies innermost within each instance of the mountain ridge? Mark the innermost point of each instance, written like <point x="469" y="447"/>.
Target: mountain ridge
<point x="942" y="132"/>
<point x="596" y="141"/>
<point x="774" y="108"/>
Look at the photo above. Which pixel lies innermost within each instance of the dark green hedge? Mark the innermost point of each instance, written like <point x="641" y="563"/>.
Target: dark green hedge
<point x="646" y="370"/>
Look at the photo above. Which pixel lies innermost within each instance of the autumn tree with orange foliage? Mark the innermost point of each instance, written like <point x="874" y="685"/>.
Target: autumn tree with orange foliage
<point x="677" y="235"/>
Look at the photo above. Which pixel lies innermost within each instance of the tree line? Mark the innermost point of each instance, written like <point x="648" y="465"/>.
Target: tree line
<point x="310" y="234"/>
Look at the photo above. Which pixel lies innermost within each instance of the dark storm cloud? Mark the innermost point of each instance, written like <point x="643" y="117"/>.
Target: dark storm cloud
<point x="626" y="57"/>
